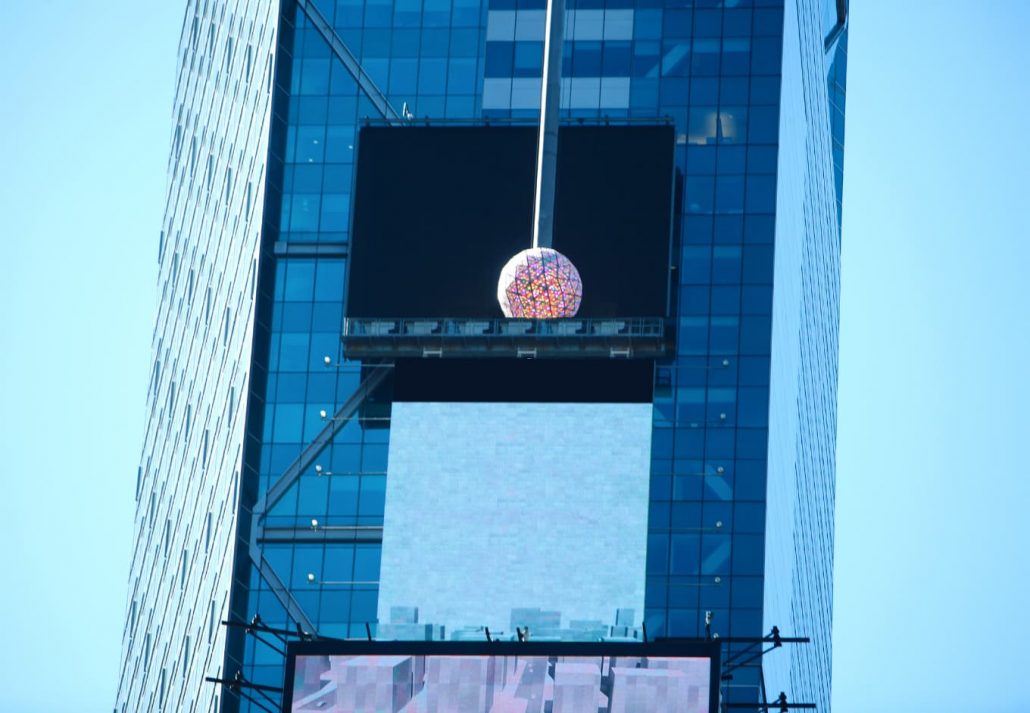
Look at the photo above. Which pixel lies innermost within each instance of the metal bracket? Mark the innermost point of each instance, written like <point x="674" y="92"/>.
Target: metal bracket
<point x="780" y="705"/>
<point x="749" y="655"/>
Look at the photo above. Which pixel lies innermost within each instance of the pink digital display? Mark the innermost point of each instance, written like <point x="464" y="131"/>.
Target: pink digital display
<point x="403" y="683"/>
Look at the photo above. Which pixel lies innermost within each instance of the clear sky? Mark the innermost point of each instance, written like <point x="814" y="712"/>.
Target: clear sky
<point x="932" y="572"/>
<point x="932" y="608"/>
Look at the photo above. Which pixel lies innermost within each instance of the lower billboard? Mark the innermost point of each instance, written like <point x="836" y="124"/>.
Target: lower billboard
<point x="665" y="676"/>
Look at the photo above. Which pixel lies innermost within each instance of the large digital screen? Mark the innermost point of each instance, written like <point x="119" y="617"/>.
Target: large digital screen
<point x="439" y="210"/>
<point x="506" y="515"/>
<point x="501" y="677"/>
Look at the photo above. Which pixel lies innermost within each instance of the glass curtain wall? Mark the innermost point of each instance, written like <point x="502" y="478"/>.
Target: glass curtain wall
<point x="714" y="69"/>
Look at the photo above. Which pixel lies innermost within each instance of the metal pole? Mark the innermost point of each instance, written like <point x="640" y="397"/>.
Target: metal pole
<point x="547" y="141"/>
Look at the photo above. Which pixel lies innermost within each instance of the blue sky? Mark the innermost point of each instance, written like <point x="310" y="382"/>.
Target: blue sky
<point x="932" y="581"/>
<point x="934" y="408"/>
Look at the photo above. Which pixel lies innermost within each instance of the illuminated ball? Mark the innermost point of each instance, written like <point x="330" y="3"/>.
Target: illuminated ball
<point x="539" y="283"/>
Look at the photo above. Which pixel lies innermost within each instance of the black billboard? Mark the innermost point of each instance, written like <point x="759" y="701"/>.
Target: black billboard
<point x="666" y="676"/>
<point x="439" y="210"/>
<point x="524" y="380"/>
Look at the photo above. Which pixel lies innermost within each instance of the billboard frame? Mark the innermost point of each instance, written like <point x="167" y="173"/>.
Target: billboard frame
<point x="664" y="647"/>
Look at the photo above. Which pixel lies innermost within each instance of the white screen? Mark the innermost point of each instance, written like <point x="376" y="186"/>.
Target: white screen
<point x="493" y="507"/>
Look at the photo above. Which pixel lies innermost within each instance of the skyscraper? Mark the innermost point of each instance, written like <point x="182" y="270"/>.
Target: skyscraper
<point x="283" y="468"/>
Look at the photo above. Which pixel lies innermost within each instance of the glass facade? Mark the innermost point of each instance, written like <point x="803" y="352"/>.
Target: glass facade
<point x="189" y="476"/>
<point x="263" y="476"/>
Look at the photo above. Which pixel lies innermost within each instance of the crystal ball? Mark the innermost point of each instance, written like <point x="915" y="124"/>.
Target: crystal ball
<point x="539" y="283"/>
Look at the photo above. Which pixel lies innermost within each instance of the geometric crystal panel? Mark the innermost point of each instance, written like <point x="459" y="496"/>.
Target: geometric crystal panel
<point x="539" y="283"/>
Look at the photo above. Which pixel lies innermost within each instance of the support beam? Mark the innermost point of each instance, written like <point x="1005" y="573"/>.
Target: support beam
<point x="288" y="478"/>
<point x="307" y="456"/>
<point x="279" y="588"/>
<point x="349" y="61"/>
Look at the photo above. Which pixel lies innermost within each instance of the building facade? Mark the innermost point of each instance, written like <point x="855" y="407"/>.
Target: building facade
<point x="263" y="482"/>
